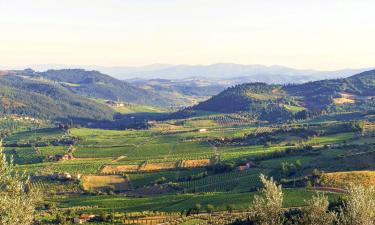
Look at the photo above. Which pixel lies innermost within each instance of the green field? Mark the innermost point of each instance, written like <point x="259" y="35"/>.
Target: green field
<point x="176" y="203"/>
<point x="226" y="145"/>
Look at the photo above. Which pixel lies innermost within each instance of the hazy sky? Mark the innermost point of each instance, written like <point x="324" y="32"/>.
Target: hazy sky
<point x="317" y="34"/>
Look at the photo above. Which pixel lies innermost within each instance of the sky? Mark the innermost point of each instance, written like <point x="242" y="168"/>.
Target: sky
<point x="305" y="34"/>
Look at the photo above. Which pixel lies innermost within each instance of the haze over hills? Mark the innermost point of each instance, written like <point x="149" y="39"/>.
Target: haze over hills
<point x="229" y="71"/>
<point x="184" y="85"/>
<point x="195" y="87"/>
<point x="260" y="73"/>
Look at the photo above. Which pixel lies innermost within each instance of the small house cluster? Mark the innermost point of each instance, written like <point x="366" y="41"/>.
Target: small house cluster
<point x="15" y="117"/>
<point x="58" y="158"/>
<point x="115" y="104"/>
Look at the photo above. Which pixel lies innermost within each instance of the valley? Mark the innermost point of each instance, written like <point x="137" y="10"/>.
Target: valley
<point x="200" y="163"/>
<point x="124" y="112"/>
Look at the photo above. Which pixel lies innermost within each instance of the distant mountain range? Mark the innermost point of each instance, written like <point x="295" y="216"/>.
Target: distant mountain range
<point x="259" y="73"/>
<point x="192" y="87"/>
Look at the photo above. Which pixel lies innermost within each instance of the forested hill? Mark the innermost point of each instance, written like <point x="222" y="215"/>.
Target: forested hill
<point x="44" y="99"/>
<point x="356" y="93"/>
<point x="98" y="85"/>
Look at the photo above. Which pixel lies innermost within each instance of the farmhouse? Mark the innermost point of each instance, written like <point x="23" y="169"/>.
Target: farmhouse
<point x="244" y="167"/>
<point x="83" y="218"/>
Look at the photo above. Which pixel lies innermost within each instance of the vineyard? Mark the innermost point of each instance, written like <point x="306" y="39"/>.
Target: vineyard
<point x="233" y="181"/>
<point x="234" y="119"/>
<point x="212" y="160"/>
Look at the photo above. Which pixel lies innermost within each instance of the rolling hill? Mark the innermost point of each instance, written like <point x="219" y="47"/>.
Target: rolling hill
<point x="197" y="89"/>
<point x="43" y="99"/>
<point x="190" y="91"/>
<point x="94" y="84"/>
<point x="275" y="102"/>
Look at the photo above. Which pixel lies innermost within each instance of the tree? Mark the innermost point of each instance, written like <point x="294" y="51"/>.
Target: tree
<point x="317" y="177"/>
<point x="285" y="169"/>
<point x="267" y="207"/>
<point x="17" y="198"/>
<point x="359" y="207"/>
<point x="197" y="208"/>
<point x="230" y="208"/>
<point x="316" y="212"/>
<point x="210" y="208"/>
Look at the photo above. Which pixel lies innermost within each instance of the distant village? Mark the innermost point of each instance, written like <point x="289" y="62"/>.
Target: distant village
<point x="22" y="118"/>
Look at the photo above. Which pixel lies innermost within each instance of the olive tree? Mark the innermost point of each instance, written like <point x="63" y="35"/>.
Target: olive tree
<point x="359" y="207"/>
<point x="17" y="200"/>
<point x="266" y="208"/>
<point x="316" y="212"/>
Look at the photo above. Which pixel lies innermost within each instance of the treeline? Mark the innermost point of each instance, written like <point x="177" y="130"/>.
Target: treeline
<point x="303" y="132"/>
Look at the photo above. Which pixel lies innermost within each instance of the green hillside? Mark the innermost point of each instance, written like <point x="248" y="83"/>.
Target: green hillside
<point x="277" y="102"/>
<point x="97" y="85"/>
<point x="44" y="99"/>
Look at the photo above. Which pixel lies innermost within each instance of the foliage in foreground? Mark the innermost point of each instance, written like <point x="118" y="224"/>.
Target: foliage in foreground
<point x="267" y="209"/>
<point x="359" y="208"/>
<point x="316" y="212"/>
<point x="17" y="200"/>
